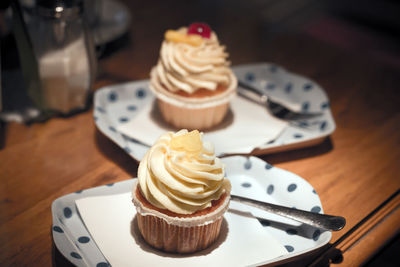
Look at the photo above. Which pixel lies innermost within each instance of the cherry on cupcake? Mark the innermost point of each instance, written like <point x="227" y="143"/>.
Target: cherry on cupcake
<point x="201" y="29"/>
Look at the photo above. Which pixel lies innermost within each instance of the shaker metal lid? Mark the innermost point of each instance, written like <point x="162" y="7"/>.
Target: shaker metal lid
<point x="59" y="8"/>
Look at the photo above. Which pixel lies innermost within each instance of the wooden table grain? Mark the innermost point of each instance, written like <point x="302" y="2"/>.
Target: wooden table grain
<point x="355" y="171"/>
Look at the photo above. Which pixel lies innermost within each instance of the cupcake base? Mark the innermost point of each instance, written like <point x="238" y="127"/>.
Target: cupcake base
<point x="193" y="112"/>
<point x="192" y="119"/>
<point x="176" y="233"/>
<point x="172" y="238"/>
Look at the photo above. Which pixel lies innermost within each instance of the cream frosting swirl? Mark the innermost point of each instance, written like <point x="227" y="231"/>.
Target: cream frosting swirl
<point x="181" y="173"/>
<point x="186" y="67"/>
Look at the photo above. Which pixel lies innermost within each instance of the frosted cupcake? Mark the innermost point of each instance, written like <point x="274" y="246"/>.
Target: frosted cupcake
<point x="192" y="80"/>
<point x="181" y="193"/>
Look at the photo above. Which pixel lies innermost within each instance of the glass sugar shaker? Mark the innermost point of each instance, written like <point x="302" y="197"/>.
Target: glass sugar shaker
<point x="65" y="55"/>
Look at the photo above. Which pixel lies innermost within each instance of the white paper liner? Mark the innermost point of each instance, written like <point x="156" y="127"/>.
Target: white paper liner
<point x="181" y="222"/>
<point x="192" y="119"/>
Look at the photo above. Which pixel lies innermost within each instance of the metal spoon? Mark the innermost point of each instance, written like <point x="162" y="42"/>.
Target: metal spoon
<point x="275" y="107"/>
<point x="323" y="221"/>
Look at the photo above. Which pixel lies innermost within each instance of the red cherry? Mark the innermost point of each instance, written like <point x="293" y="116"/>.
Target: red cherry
<point x="201" y="29"/>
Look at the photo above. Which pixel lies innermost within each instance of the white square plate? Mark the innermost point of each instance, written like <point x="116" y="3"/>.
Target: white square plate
<point x="250" y="177"/>
<point x="117" y="104"/>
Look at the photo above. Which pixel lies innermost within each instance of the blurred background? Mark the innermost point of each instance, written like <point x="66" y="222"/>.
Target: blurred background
<point x="368" y="28"/>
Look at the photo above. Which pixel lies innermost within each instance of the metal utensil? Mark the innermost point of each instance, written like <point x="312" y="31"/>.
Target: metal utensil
<point x="276" y="108"/>
<point x="323" y="221"/>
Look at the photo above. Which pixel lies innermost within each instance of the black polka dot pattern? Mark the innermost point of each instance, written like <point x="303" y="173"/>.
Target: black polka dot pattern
<point x="270" y="86"/>
<point x="67" y="212"/>
<point x="249" y="77"/>
<point x="141" y="93"/>
<point x="123" y="119"/>
<point x="305" y="106"/>
<point x="100" y="109"/>
<point x="270" y="189"/>
<point x="58" y="229"/>
<point x="247" y="164"/>
<point x="289" y="248"/>
<point x="323" y="125"/>
<point x="76" y="255"/>
<point x="268" y="166"/>
<point x="316" y="209"/>
<point x="307" y="87"/>
<point x="288" y="88"/>
<point x="131" y="108"/>
<point x="297" y="135"/>
<point x="102" y="264"/>
<point x="325" y="105"/>
<point x="291" y="187"/>
<point x="246" y="185"/>
<point x="113" y="96"/>
<point x="83" y="239"/>
<point x="273" y="68"/>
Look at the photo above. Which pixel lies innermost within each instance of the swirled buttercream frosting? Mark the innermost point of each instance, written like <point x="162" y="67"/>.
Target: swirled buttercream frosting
<point x="190" y="62"/>
<point x="181" y="173"/>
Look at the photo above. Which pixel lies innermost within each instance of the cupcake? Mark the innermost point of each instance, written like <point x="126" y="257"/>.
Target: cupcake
<point x="181" y="193"/>
<point x="192" y="80"/>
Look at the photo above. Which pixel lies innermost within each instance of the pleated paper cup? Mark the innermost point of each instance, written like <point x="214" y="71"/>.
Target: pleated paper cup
<point x="178" y="234"/>
<point x="192" y="113"/>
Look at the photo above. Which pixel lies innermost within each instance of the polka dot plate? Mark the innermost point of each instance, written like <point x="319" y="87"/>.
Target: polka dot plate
<point x="117" y="104"/>
<point x="250" y="177"/>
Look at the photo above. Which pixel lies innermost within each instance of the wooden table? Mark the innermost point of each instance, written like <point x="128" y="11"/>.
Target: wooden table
<point x="355" y="171"/>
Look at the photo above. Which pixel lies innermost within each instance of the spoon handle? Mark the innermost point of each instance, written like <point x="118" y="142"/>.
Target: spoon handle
<point x="323" y="221"/>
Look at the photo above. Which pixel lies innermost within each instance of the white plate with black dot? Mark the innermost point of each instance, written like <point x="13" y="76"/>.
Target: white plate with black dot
<point x="250" y="177"/>
<point x="117" y="104"/>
